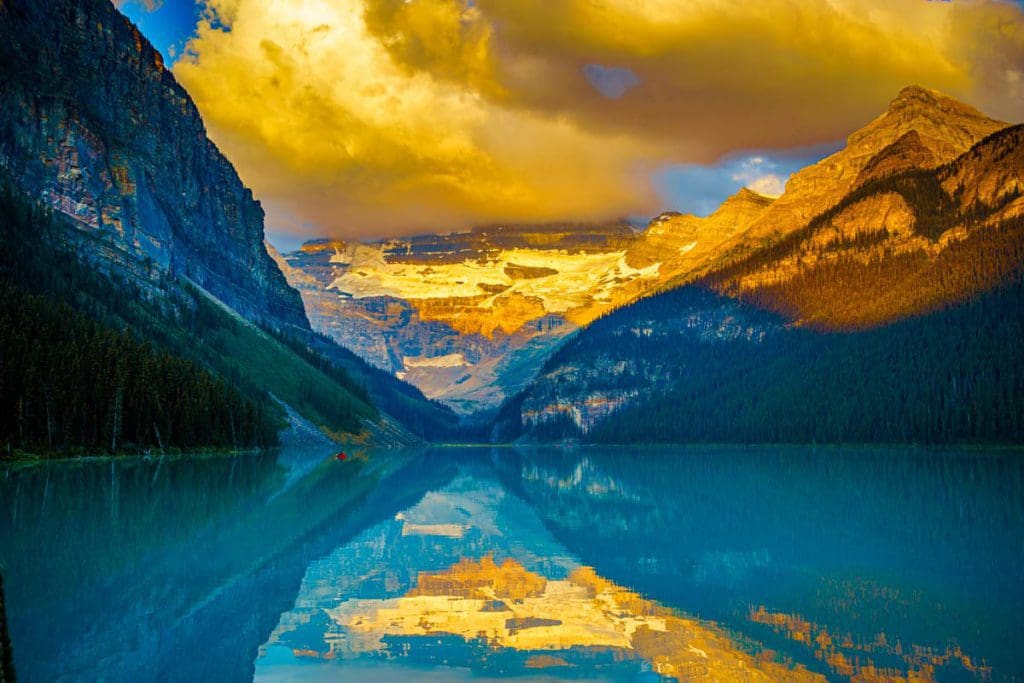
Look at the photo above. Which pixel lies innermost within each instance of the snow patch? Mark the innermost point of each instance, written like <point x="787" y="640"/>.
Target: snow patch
<point x="451" y="360"/>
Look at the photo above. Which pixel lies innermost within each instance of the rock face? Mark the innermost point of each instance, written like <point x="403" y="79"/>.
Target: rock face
<point x="990" y="176"/>
<point x="685" y="244"/>
<point x="93" y="125"/>
<point x="908" y="152"/>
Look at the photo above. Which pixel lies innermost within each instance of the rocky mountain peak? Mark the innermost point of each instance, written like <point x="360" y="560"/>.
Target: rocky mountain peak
<point x="317" y="246"/>
<point x="944" y="125"/>
<point x="944" y="129"/>
<point x="915" y="100"/>
<point x="914" y="96"/>
<point x="736" y="211"/>
<point x="664" y="217"/>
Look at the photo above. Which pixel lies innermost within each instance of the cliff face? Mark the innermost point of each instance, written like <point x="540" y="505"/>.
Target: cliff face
<point x="93" y="125"/>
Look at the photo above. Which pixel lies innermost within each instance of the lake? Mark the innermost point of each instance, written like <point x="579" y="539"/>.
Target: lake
<point x="485" y="564"/>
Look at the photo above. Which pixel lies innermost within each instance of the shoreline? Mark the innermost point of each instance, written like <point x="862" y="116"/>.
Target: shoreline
<point x="35" y="458"/>
<point x="29" y="459"/>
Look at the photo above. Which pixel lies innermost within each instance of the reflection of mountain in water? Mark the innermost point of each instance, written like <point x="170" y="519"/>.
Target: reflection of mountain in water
<point x="470" y="577"/>
<point x="861" y="543"/>
<point x="597" y="564"/>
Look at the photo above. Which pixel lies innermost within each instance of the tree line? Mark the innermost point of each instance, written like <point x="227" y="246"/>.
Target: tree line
<point x="70" y="384"/>
<point x="79" y="369"/>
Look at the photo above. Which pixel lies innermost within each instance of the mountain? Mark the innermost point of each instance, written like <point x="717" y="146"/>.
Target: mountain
<point x="470" y="317"/>
<point x="465" y="317"/>
<point x="894" y="314"/>
<point x="92" y="124"/>
<point x="940" y="128"/>
<point x="898" y="245"/>
<point x="684" y="244"/>
<point x="117" y="204"/>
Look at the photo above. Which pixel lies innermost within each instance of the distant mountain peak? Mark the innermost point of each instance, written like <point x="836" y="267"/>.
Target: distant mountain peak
<point x="916" y="95"/>
<point x="315" y="246"/>
<point x="744" y="201"/>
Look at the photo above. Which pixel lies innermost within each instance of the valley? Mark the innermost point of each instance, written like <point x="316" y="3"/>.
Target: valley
<point x="902" y="221"/>
<point x="469" y="318"/>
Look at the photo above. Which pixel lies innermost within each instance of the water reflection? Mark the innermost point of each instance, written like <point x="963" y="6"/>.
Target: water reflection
<point x="448" y="564"/>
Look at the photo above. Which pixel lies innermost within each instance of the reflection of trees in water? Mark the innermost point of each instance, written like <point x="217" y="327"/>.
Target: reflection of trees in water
<point x="876" y="660"/>
<point x="119" y="511"/>
<point x="148" y="564"/>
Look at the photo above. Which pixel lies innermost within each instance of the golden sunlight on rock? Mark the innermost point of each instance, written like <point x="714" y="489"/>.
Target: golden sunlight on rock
<point x="500" y="297"/>
<point x="483" y="580"/>
<point x="943" y="129"/>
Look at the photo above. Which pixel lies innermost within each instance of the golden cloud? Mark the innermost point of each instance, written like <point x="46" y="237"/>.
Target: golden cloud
<point x="383" y="116"/>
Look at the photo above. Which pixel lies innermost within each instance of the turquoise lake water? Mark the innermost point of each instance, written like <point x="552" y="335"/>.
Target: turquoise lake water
<point x="480" y="564"/>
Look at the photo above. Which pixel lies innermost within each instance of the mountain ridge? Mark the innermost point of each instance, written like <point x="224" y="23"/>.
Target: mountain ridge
<point x="482" y="304"/>
<point x="467" y="317"/>
<point x="815" y="188"/>
<point x="914" y="254"/>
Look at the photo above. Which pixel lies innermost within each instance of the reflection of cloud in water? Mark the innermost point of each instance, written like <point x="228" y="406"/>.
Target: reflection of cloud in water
<point x="463" y="504"/>
<point x="449" y="530"/>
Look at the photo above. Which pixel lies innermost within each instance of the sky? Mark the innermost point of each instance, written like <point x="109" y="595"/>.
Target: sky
<point x="372" y="118"/>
